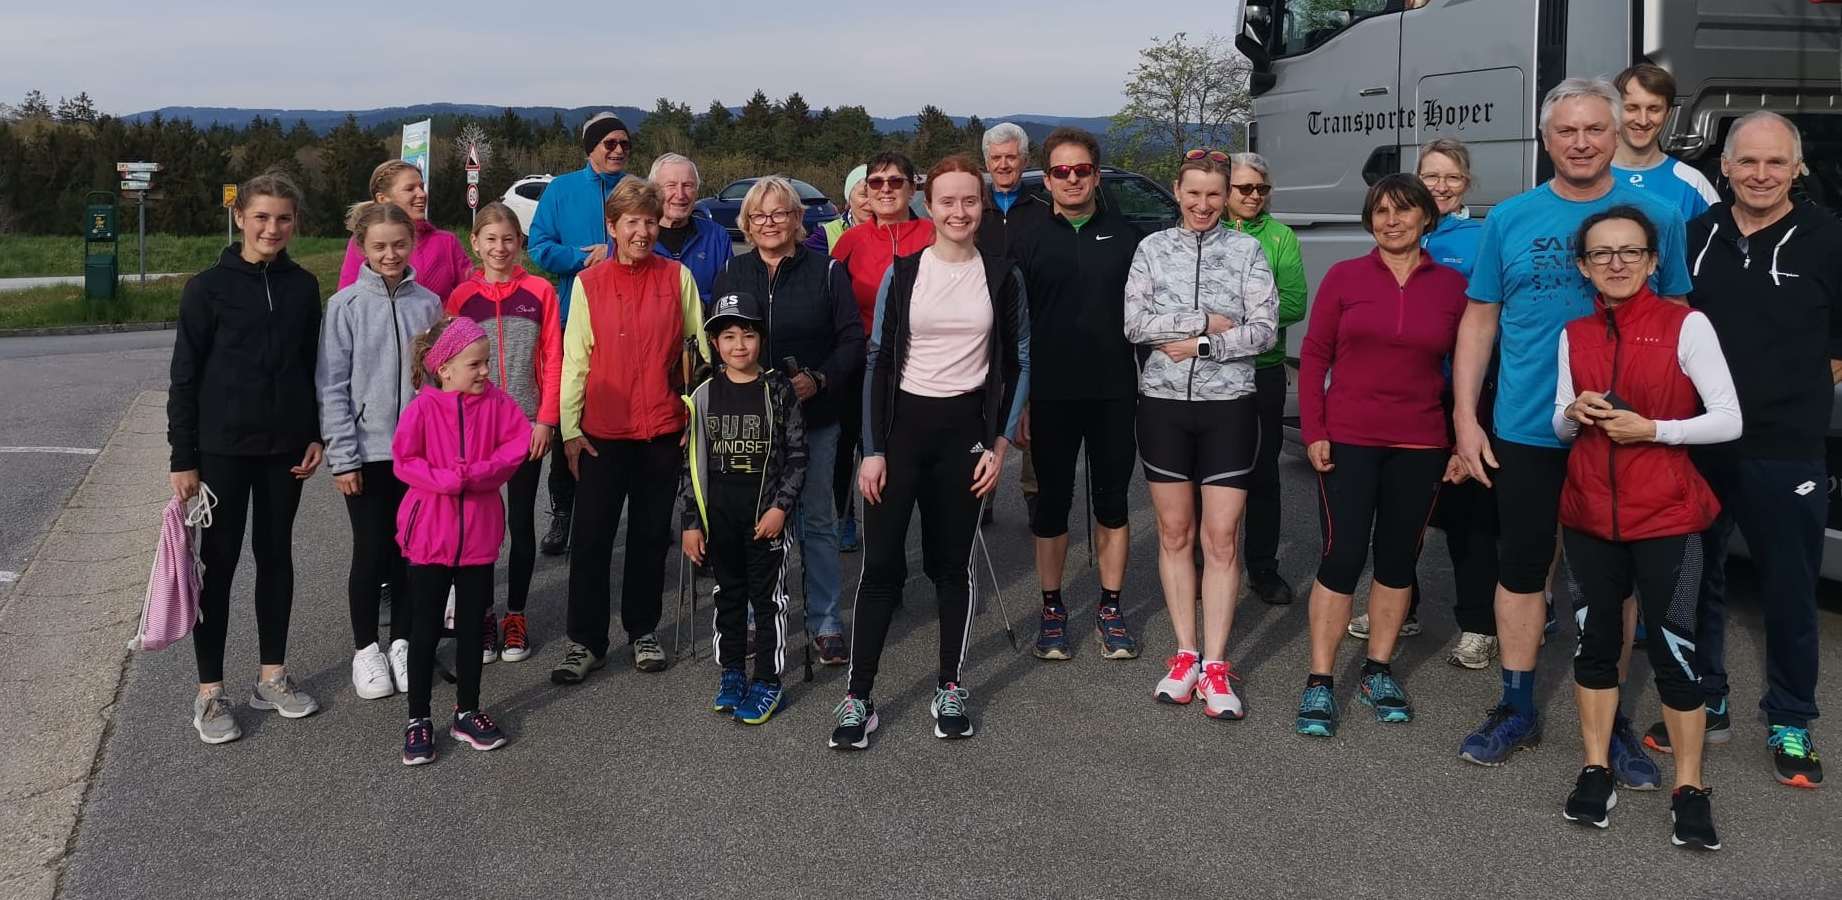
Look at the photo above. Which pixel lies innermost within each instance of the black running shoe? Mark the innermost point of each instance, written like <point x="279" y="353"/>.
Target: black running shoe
<point x="1594" y="795"/>
<point x="1720" y="730"/>
<point x="1693" y="816"/>
<point x="556" y="540"/>
<point x="1794" y="756"/>
<point x="951" y="720"/>
<point x="856" y="722"/>
<point x="1271" y="589"/>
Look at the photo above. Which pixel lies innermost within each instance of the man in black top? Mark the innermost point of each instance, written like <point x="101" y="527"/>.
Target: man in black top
<point x="1768" y="276"/>
<point x="1010" y="210"/>
<point x="1084" y="383"/>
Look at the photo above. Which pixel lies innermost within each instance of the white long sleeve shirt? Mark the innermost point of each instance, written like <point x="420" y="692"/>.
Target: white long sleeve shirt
<point x="1698" y="353"/>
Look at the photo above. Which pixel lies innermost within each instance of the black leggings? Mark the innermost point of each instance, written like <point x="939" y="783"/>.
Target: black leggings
<point x="521" y="522"/>
<point x="643" y="477"/>
<point x="1667" y="574"/>
<point x="1260" y="533"/>
<point x="376" y="558"/>
<point x="750" y="575"/>
<point x="277" y="495"/>
<point x="472" y="595"/>
<point x="844" y="466"/>
<point x="934" y="445"/>
<point x="1058" y="430"/>
<point x="562" y="484"/>
<point x="1384" y="492"/>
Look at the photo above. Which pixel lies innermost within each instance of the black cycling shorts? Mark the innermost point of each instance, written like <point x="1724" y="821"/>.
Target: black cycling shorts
<point x="1059" y="429"/>
<point x="1528" y="487"/>
<point x="1206" y="442"/>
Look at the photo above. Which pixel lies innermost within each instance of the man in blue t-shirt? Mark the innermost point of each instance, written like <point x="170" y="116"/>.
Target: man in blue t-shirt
<point x="1526" y="286"/>
<point x="1640" y="162"/>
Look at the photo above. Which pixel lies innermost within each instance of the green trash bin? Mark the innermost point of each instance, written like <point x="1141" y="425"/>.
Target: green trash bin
<point x="99" y="273"/>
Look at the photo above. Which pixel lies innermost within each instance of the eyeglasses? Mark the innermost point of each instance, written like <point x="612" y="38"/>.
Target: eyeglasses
<point x="778" y="217"/>
<point x="1602" y="256"/>
<point x="1209" y="152"/>
<point x="1252" y="190"/>
<point x="613" y="144"/>
<point x="1446" y="180"/>
<point x="886" y="182"/>
<point x="1074" y="172"/>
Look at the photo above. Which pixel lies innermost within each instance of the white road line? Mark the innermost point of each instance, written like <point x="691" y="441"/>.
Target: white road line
<point x="8" y="577"/>
<point x="77" y="451"/>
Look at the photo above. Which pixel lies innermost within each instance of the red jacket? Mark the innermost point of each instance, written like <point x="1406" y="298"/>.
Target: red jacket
<point x="624" y="349"/>
<point x="1384" y="346"/>
<point x="453" y="451"/>
<point x="867" y="250"/>
<point x="522" y="325"/>
<point x="1635" y="491"/>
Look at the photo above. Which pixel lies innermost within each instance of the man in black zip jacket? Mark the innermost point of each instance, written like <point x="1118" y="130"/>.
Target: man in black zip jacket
<point x="1768" y="276"/>
<point x="1085" y="388"/>
<point x="812" y="318"/>
<point x="1010" y="212"/>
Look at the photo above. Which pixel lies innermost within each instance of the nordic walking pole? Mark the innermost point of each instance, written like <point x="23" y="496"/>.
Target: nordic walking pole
<point x="979" y="532"/>
<point x="678" y="613"/>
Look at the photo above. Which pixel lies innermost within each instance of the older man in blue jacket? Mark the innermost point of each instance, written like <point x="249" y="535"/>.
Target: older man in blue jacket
<point x="696" y="241"/>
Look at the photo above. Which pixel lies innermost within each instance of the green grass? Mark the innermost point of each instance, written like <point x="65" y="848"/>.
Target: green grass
<point x="158" y="301"/>
<point x="28" y="255"/>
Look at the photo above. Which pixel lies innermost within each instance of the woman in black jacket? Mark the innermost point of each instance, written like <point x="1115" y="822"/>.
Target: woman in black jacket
<point x="949" y="370"/>
<point x="242" y="419"/>
<point x="814" y="335"/>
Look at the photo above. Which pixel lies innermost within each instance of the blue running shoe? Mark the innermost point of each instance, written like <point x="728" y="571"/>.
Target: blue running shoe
<point x="1317" y="712"/>
<point x="1383" y="694"/>
<point x="847" y="535"/>
<point x="1630" y="764"/>
<point x="1115" y="641"/>
<point x="1052" y="635"/>
<point x="763" y="698"/>
<point x="1504" y="732"/>
<point x="731" y="692"/>
<point x="418" y="743"/>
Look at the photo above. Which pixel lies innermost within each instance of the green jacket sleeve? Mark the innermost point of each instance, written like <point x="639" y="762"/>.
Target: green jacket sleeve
<point x="1289" y="277"/>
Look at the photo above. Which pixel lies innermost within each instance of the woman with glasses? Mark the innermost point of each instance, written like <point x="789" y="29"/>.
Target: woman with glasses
<point x="813" y="332"/>
<point x="1370" y="380"/>
<point x="1640" y="380"/>
<point x="1249" y="185"/>
<point x="1201" y="305"/>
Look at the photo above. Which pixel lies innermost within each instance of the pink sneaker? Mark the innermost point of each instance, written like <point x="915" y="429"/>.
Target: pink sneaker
<point x="1180" y="685"/>
<point x="1217" y="695"/>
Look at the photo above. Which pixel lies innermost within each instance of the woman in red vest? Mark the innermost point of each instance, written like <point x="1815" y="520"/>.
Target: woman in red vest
<point x="1634" y="379"/>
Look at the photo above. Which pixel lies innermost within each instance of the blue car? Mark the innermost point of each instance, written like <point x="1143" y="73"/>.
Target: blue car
<point x="727" y="204"/>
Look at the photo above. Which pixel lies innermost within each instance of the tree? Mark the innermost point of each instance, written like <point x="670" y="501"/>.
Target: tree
<point x="34" y="106"/>
<point x="936" y="137"/>
<point x="667" y="129"/>
<point x="1184" y="94"/>
<point x="754" y="128"/>
<point x="76" y="109"/>
<point x="711" y="133"/>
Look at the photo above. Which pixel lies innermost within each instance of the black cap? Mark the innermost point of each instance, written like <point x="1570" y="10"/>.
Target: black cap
<point x="732" y="308"/>
<point x="598" y="127"/>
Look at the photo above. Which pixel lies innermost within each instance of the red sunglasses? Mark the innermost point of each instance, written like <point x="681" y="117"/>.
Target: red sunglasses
<point x="1064" y="173"/>
<point x="1209" y="152"/>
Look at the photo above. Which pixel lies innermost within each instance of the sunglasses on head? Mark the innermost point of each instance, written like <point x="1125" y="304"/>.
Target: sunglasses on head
<point x="1209" y="152"/>
<point x="1064" y="173"/>
<point x="613" y="144"/>
<point x="886" y="182"/>
<point x="1253" y="190"/>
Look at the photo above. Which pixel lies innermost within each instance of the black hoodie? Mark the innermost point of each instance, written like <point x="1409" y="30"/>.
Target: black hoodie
<point x="243" y="361"/>
<point x="1776" y="305"/>
<point x="1077" y="283"/>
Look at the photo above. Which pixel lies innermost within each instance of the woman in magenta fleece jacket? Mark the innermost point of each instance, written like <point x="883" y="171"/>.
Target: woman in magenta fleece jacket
<point x="439" y="260"/>
<point x="459" y="441"/>
<point x="1369" y="382"/>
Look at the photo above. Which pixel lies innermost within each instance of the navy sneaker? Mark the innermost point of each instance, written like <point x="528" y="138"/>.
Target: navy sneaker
<point x="1317" y="712"/>
<point x="476" y="730"/>
<point x="1504" y="732"/>
<point x="1115" y="641"/>
<point x="856" y="722"/>
<point x="1794" y="756"/>
<point x="418" y="742"/>
<point x="1630" y="764"/>
<point x="1383" y="694"/>
<point x="1594" y="795"/>
<point x="730" y="691"/>
<point x="847" y="535"/>
<point x="1052" y="634"/>
<point x="759" y="705"/>
<point x="1719" y="730"/>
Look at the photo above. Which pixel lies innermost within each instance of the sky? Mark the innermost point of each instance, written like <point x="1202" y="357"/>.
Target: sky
<point x="1052" y="57"/>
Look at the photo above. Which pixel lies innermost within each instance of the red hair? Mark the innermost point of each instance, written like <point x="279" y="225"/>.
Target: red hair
<point x="958" y="162"/>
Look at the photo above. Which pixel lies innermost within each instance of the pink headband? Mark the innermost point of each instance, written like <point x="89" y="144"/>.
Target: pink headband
<point x="460" y="333"/>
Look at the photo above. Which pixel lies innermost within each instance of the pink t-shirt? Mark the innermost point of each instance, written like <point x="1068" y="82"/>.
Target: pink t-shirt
<point x="949" y="330"/>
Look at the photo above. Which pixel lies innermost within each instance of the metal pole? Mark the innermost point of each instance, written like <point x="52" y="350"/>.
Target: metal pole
<point x="143" y="238"/>
<point x="228" y="238"/>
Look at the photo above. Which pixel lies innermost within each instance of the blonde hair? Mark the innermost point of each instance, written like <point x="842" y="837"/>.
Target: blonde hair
<point x="634" y="195"/>
<point x="386" y="174"/>
<point x="366" y="213"/>
<point x="273" y="183"/>
<point x="1451" y="149"/>
<point x="496" y="213"/>
<point x="757" y="197"/>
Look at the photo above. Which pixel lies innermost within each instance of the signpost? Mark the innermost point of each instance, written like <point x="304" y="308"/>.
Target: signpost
<point x="137" y="179"/>
<point x="230" y="203"/>
<point x="473" y="179"/>
<point x="416" y="146"/>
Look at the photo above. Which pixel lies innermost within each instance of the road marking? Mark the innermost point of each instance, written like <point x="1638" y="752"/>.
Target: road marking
<point x="8" y="577"/>
<point x="77" y="451"/>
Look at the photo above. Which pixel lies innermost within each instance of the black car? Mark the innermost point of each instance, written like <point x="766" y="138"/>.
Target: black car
<point x="727" y="205"/>
<point x="1142" y="201"/>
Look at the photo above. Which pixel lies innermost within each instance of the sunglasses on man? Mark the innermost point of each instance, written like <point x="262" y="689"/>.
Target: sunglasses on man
<point x="613" y="144"/>
<point x="1074" y="172"/>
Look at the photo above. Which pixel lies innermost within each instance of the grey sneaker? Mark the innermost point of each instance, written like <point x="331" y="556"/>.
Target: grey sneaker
<point x="577" y="663"/>
<point x="1359" y="627"/>
<point x="1474" y="650"/>
<point x="648" y="656"/>
<point x="283" y="697"/>
<point x="212" y="719"/>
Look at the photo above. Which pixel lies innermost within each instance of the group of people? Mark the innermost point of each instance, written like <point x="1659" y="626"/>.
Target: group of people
<point x="1530" y="384"/>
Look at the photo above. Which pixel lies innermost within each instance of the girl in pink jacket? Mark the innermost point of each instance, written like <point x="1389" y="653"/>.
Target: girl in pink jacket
<point x="459" y="441"/>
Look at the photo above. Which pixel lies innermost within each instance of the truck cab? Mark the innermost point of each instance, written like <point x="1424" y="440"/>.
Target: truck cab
<point x="1346" y="91"/>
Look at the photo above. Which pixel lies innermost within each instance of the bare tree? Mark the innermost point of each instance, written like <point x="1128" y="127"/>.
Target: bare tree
<point x="1184" y="94"/>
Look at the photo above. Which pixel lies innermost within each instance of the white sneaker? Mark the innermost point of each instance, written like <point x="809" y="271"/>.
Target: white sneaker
<point x="371" y="674"/>
<point x="1474" y="650"/>
<point x="1217" y="695"/>
<point x="1179" y="685"/>
<point x="399" y="663"/>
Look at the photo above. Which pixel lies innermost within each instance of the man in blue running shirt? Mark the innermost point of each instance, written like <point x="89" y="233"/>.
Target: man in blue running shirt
<point x="1649" y="90"/>
<point x="1525" y="285"/>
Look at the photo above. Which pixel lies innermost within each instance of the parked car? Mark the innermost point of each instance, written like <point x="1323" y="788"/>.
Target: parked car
<point x="727" y="204"/>
<point x="1143" y="202"/>
<point x="522" y="197"/>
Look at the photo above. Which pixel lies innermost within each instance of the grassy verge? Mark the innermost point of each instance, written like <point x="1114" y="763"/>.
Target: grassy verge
<point x="29" y="255"/>
<point x="158" y="301"/>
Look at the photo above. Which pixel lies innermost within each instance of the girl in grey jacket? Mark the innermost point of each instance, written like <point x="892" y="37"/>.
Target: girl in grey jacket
<point x="363" y="384"/>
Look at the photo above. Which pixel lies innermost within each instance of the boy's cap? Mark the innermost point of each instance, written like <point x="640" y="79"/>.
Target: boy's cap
<point x="731" y="308"/>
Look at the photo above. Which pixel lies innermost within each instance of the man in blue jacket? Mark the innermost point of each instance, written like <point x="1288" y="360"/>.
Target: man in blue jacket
<point x="569" y="233"/>
<point x="696" y="241"/>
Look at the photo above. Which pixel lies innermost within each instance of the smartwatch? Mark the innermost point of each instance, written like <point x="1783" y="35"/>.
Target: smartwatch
<point x="1202" y="346"/>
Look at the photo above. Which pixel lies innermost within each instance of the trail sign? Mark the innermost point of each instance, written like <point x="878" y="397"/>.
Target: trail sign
<point x="137" y="167"/>
<point x="230" y="196"/>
